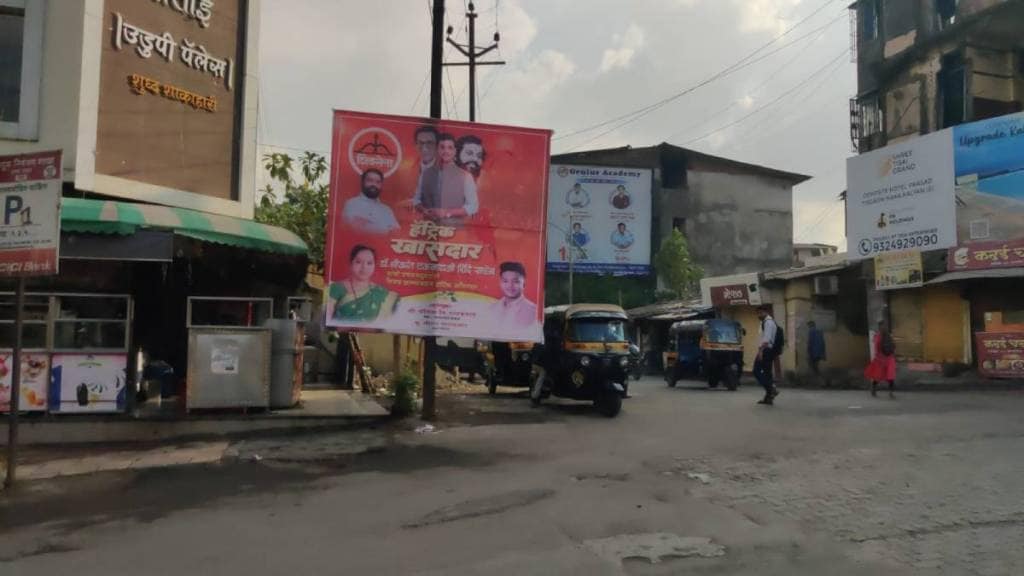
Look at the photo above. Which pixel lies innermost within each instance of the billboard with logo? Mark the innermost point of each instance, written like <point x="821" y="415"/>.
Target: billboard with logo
<point x="30" y="189"/>
<point x="895" y="270"/>
<point x="436" y="227"/>
<point x="989" y="162"/>
<point x="599" y="218"/>
<point x="901" y="197"/>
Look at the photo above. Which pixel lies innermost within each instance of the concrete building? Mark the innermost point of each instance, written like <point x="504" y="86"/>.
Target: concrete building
<point x="737" y="217"/>
<point x="923" y="66"/>
<point x="153" y="106"/>
<point x="803" y="253"/>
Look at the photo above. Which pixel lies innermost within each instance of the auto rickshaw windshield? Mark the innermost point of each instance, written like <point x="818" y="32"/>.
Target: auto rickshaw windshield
<point x="723" y="333"/>
<point x="597" y="330"/>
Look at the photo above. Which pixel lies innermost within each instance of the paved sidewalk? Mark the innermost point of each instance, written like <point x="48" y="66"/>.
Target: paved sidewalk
<point x="39" y="466"/>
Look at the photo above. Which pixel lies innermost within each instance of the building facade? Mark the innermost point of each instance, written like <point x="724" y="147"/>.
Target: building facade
<point x="925" y="66"/>
<point x="737" y="217"/>
<point x="153" y="106"/>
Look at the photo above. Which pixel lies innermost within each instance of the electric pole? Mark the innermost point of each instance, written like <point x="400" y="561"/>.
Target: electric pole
<point x="472" y="52"/>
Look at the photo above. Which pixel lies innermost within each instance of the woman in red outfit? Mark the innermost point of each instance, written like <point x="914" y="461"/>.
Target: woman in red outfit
<point x="883" y="366"/>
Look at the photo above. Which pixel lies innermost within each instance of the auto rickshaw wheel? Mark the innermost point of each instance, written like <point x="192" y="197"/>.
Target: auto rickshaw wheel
<point x="732" y="379"/>
<point x="609" y="403"/>
<point x="672" y="380"/>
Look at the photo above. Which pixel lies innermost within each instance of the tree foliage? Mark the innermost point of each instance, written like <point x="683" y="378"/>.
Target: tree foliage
<point x="299" y="205"/>
<point x="675" y="266"/>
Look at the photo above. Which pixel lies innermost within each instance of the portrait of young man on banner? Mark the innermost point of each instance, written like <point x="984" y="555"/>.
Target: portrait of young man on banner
<point x="436" y="227"/>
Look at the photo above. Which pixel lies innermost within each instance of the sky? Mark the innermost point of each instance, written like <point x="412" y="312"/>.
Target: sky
<point x="760" y="81"/>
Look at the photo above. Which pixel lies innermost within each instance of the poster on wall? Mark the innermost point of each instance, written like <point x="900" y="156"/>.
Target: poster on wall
<point x="989" y="162"/>
<point x="1000" y="355"/>
<point x="35" y="380"/>
<point x="901" y="198"/>
<point x="896" y="270"/>
<point x="599" y="218"/>
<point x="88" y="382"/>
<point x="30" y="192"/>
<point x="436" y="227"/>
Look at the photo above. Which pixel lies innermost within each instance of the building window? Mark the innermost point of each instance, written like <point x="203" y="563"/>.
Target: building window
<point x="679" y="224"/>
<point x="952" y="80"/>
<point x="21" y="39"/>
<point x="870" y="12"/>
<point x="945" y="11"/>
<point x="866" y="122"/>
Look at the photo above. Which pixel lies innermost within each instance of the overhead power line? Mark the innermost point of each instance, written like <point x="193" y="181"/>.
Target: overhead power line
<point x="744" y="62"/>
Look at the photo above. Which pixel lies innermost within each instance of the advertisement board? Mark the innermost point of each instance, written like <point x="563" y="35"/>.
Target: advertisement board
<point x="436" y="228"/>
<point x="1000" y="354"/>
<point x="986" y="255"/>
<point x="901" y="197"/>
<point x="35" y="381"/>
<point x="599" y="217"/>
<point x="733" y="295"/>
<point x="30" y="188"/>
<point x="894" y="270"/>
<point x="989" y="162"/>
<point x="88" y="382"/>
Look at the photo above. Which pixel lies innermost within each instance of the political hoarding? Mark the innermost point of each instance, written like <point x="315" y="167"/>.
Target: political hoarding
<point x="989" y="163"/>
<point x="901" y="197"/>
<point x="599" y="220"/>
<point x="436" y="227"/>
<point x="30" y="189"/>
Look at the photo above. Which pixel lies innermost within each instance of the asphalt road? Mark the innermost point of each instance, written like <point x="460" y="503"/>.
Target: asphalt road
<point x="685" y="480"/>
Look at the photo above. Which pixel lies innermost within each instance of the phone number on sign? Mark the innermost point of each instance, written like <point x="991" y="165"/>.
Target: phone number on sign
<point x="920" y="241"/>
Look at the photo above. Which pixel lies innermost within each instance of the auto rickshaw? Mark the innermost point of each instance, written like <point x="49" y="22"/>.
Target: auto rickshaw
<point x="513" y="365"/>
<point x="685" y="359"/>
<point x="722" y="352"/>
<point x="585" y="356"/>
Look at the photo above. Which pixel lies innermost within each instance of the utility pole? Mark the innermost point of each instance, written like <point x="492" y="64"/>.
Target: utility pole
<point x="436" y="94"/>
<point x="572" y="253"/>
<point x="472" y="52"/>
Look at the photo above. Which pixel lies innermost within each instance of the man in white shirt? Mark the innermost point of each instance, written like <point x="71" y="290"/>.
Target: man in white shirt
<point x="513" y="311"/>
<point x="366" y="213"/>
<point x="577" y="197"/>
<point x="765" y="362"/>
<point x="622" y="238"/>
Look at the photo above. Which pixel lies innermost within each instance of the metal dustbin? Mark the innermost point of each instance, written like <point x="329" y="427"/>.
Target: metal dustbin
<point x="286" y="365"/>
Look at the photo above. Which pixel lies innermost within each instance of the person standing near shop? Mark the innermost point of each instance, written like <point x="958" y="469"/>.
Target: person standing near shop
<point x="815" y="346"/>
<point x="766" y="352"/>
<point x="883" y="365"/>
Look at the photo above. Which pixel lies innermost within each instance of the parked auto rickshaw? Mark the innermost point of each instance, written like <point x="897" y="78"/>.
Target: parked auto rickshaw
<point x="513" y="365"/>
<point x="470" y="357"/>
<point x="585" y="356"/>
<point x="685" y="359"/>
<point x="722" y="351"/>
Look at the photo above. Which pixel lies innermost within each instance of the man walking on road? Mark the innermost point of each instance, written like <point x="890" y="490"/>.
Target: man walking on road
<point x="765" y="362"/>
<point x="815" y="346"/>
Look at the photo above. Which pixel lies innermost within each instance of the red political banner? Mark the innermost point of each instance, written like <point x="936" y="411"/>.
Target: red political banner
<point x="436" y="227"/>
<point x="1000" y="354"/>
<point x="986" y="255"/>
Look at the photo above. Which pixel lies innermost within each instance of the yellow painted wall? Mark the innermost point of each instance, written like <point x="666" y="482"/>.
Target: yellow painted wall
<point x="378" y="350"/>
<point x="943" y="314"/>
<point x="905" y="312"/>
<point x="747" y="317"/>
<point x="843" y="349"/>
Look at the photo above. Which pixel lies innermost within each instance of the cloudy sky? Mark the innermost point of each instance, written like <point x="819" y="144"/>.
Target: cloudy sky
<point x="576" y="64"/>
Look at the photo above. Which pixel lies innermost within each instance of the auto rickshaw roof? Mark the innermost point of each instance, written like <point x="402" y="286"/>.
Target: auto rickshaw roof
<point x="688" y="326"/>
<point x="591" y="310"/>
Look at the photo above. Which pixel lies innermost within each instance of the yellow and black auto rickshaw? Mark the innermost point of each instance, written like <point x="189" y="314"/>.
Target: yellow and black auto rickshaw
<point x="512" y="363"/>
<point x="585" y="356"/>
<point x="710" y="348"/>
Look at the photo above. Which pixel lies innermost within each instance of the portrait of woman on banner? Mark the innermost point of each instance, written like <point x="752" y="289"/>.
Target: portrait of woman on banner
<point x="357" y="298"/>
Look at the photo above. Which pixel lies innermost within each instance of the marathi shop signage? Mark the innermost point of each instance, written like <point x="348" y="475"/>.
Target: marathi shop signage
<point x="436" y="228"/>
<point x="735" y="295"/>
<point x="170" y="80"/>
<point x="1000" y="354"/>
<point x="986" y="255"/>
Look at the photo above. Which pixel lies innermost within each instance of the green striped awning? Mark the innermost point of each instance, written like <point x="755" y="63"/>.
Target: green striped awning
<point x="109" y="217"/>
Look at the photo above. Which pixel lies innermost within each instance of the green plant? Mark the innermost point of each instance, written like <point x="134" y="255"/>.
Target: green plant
<point x="302" y="206"/>
<point x="406" y="385"/>
<point x="675" y="266"/>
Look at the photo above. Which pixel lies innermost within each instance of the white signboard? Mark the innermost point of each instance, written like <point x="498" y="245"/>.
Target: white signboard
<point x="88" y="382"/>
<point x="600" y="218"/>
<point x="902" y="197"/>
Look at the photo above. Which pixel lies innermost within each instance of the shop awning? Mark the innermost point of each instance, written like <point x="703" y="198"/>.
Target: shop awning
<point x="978" y="275"/>
<point x="109" y="217"/>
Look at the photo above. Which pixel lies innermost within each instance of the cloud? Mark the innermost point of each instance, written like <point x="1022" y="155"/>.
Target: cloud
<point x="625" y="47"/>
<point x="746" y="102"/>
<point x="765" y="15"/>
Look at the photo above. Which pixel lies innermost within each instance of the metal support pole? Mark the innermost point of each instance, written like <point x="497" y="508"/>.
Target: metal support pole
<point x="472" y="63"/>
<point x="12" y="415"/>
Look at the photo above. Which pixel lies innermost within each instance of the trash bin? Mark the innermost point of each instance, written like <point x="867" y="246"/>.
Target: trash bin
<point x="286" y="366"/>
